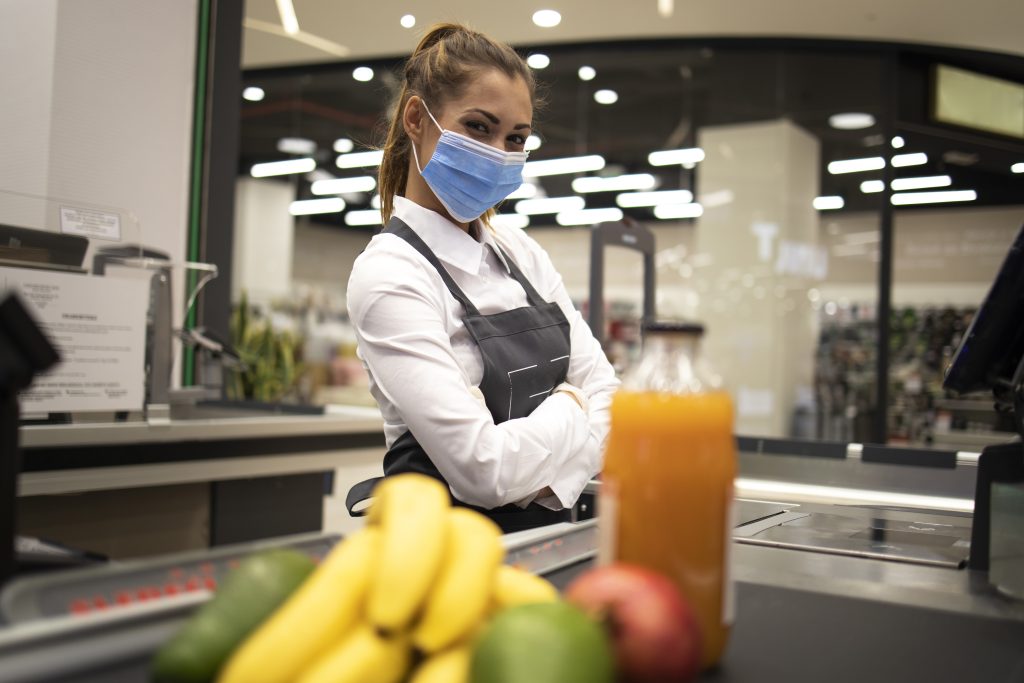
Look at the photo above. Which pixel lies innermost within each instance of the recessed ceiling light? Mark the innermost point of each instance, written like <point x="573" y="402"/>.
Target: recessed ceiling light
<point x="856" y="165"/>
<point x="912" y="159"/>
<point x="360" y="159"/>
<point x="589" y="216"/>
<point x="343" y="145"/>
<point x="547" y="18"/>
<point x="286" y="167"/>
<point x="532" y="143"/>
<point x="671" y="157"/>
<point x="853" y="120"/>
<point x="362" y="73"/>
<point x="1018" y="167"/>
<point x="828" y="203"/>
<point x="363" y="217"/>
<point x="306" y="207"/>
<point x="906" y="198"/>
<point x="253" y="94"/>
<point x="921" y="183"/>
<point x="898" y="142"/>
<point x="583" y="164"/>
<point x="407" y="21"/>
<point x="296" y="146"/>
<point x="606" y="97"/>
<point x="538" y="60"/>
<point x="872" y="186"/>
<point x="587" y="73"/>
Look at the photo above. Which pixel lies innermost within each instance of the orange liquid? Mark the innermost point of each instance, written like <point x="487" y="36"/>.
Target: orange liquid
<point x="667" y="488"/>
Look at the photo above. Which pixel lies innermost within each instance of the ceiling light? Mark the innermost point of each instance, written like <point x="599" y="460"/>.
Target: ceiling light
<point x="532" y="143"/>
<point x="407" y="21"/>
<point x="363" y="217"/>
<point x="606" y="96"/>
<point x="375" y="201"/>
<point x="671" y="211"/>
<point x="296" y="146"/>
<point x="666" y="7"/>
<point x="509" y="220"/>
<point x="1017" y="168"/>
<point x="828" y="203"/>
<point x="856" y="165"/>
<point x="253" y="94"/>
<point x="272" y="168"/>
<point x="670" y="157"/>
<point x="525" y="191"/>
<point x="547" y="18"/>
<point x="305" y="207"/>
<point x="343" y="145"/>
<point x="922" y="182"/>
<point x="853" y="120"/>
<point x="534" y="169"/>
<point x="587" y="73"/>
<point x="362" y="73"/>
<point x="289" y="22"/>
<point x="617" y="183"/>
<point x="915" y="159"/>
<point x="360" y="159"/>
<point x="872" y="186"/>
<point x="538" y="60"/>
<point x="633" y="199"/>
<point x="532" y="207"/>
<point x="898" y="142"/>
<point x="934" y="197"/>
<point x="589" y="216"/>
<point x="344" y="185"/>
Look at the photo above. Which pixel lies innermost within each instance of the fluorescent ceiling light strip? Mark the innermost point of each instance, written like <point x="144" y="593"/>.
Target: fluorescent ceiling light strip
<point x="309" y="39"/>
<point x="363" y="217"/>
<point x="305" y="207"/>
<point x="589" y="216"/>
<point x="828" y="203"/>
<point x="510" y="220"/>
<point x="618" y="183"/>
<point x="872" y="186"/>
<point x="810" y="493"/>
<point x="912" y="159"/>
<point x="669" y="157"/>
<point x="856" y="165"/>
<point x="1017" y="168"/>
<point x="342" y="185"/>
<point x="922" y="182"/>
<point x="286" y="167"/>
<point x="525" y="191"/>
<point x="673" y="211"/>
<point x="633" y="199"/>
<point x="584" y="164"/>
<point x="908" y="198"/>
<point x="360" y="159"/>
<point x="289" y="22"/>
<point x="296" y="146"/>
<point x="530" y="207"/>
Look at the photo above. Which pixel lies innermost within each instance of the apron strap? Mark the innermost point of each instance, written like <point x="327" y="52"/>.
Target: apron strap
<point x="362" y="491"/>
<point x="398" y="228"/>
<point x="531" y="294"/>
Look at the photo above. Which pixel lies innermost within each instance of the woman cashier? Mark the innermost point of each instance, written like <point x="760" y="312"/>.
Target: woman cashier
<point x="487" y="377"/>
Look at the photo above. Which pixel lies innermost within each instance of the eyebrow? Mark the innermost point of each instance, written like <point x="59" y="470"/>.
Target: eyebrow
<point x="495" y="120"/>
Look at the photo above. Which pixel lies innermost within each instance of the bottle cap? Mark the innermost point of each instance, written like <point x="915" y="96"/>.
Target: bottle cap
<point x="677" y="326"/>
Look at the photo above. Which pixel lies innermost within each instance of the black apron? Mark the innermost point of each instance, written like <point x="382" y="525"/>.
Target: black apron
<point x="525" y="355"/>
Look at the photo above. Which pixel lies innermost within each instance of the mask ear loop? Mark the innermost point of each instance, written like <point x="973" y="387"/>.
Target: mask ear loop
<point x="415" y="154"/>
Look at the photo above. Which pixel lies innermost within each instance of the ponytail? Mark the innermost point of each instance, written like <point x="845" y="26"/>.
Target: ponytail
<point x="439" y="68"/>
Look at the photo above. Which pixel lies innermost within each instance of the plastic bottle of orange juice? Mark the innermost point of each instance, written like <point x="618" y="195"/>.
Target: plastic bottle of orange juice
<point x="667" y="485"/>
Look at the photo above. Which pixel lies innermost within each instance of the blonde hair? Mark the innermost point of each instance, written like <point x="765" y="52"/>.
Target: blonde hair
<point x="440" y="68"/>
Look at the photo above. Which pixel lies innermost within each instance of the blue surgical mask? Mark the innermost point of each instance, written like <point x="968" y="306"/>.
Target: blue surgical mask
<point x="467" y="176"/>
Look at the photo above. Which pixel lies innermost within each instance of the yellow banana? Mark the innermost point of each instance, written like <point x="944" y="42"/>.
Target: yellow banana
<point x="410" y="510"/>
<point x="317" y="616"/>
<point x="514" y="586"/>
<point x="464" y="587"/>
<point x="450" y="666"/>
<point x="363" y="657"/>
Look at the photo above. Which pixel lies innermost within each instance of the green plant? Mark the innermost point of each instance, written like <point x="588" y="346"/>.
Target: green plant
<point x="271" y="370"/>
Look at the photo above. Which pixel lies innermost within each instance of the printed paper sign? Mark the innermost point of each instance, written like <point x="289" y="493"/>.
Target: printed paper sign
<point x="91" y="223"/>
<point x="98" y="325"/>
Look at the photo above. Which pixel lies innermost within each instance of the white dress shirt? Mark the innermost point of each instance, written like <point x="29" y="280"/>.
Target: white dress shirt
<point x="424" y="366"/>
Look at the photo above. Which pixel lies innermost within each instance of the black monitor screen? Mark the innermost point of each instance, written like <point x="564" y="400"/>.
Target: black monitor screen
<point x="994" y="343"/>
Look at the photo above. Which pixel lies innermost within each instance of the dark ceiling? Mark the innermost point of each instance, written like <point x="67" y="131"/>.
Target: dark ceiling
<point x="667" y="91"/>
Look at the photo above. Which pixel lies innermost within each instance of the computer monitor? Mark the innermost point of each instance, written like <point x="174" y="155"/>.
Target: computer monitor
<point x="990" y="354"/>
<point x="41" y="247"/>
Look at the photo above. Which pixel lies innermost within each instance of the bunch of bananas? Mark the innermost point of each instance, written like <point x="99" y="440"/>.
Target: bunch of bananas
<point x="400" y="600"/>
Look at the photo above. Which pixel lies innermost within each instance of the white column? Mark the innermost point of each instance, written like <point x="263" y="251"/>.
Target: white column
<point x="264" y="238"/>
<point x="758" y="257"/>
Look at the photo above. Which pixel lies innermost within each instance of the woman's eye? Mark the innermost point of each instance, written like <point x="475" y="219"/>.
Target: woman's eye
<point x="517" y="140"/>
<point x="477" y="126"/>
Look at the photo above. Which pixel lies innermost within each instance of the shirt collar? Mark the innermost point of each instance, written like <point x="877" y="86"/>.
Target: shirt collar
<point x="449" y="242"/>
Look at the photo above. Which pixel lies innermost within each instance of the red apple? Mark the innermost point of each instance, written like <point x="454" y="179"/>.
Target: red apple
<point x="654" y="633"/>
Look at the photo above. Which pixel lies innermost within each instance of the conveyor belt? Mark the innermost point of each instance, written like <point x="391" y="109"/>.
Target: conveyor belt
<point x="802" y="616"/>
